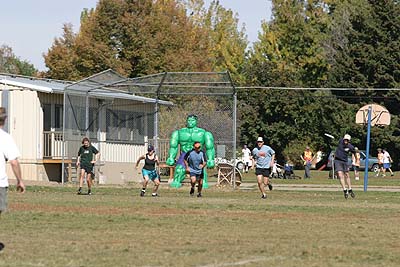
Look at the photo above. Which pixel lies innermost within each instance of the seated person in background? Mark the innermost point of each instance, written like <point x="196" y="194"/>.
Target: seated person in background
<point x="288" y="171"/>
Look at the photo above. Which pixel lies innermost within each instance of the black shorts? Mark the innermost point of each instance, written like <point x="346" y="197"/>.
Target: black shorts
<point x="87" y="168"/>
<point x="341" y="166"/>
<point x="263" y="171"/>
<point x="198" y="176"/>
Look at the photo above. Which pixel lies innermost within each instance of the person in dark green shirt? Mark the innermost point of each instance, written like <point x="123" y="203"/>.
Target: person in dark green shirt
<point x="87" y="157"/>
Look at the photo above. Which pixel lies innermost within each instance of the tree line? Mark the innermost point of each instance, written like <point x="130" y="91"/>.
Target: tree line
<point x="306" y="44"/>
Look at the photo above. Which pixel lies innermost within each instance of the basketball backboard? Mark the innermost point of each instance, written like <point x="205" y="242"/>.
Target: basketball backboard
<point x="379" y="115"/>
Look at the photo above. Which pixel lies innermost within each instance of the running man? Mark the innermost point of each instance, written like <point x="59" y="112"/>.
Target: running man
<point x="8" y="152"/>
<point x="87" y="157"/>
<point x="149" y="171"/>
<point x="342" y="164"/>
<point x="264" y="156"/>
<point x="195" y="162"/>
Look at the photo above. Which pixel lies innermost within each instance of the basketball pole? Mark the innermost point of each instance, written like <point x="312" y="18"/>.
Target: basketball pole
<point x="367" y="151"/>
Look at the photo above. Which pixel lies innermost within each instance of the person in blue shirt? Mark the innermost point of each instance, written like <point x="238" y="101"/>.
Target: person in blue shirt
<point x="195" y="161"/>
<point x="342" y="164"/>
<point x="264" y="157"/>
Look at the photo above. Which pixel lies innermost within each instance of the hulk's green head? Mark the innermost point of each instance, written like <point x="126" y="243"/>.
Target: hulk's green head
<point x="191" y="121"/>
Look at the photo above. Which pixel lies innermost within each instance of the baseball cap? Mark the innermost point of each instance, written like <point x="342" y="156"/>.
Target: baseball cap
<point x="347" y="137"/>
<point x="260" y="139"/>
<point x="150" y="148"/>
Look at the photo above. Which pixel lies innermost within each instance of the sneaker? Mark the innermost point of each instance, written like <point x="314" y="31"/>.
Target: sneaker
<point x="357" y="178"/>
<point x="269" y="186"/>
<point x="192" y="191"/>
<point x="199" y="195"/>
<point x="383" y="175"/>
<point x="1" y="246"/>
<point x="154" y="195"/>
<point x="392" y="174"/>
<point x="79" y="192"/>
<point x="346" y="194"/>
<point x="263" y="196"/>
<point x="142" y="193"/>
<point x="89" y="192"/>
<point x="352" y="193"/>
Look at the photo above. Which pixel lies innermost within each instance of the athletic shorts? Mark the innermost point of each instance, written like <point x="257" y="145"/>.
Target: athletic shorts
<point x="386" y="165"/>
<point x="341" y="166"/>
<point x="3" y="198"/>
<point x="263" y="171"/>
<point x="356" y="168"/>
<point x="198" y="176"/>
<point x="87" y="168"/>
<point x="152" y="174"/>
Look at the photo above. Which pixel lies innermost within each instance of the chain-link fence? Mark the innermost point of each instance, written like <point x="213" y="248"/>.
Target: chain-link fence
<point x="121" y="116"/>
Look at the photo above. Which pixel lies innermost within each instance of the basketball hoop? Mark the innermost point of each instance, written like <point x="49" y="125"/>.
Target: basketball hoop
<point x="379" y="115"/>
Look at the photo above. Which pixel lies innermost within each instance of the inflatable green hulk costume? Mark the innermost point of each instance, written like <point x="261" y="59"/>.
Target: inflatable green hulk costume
<point x="185" y="137"/>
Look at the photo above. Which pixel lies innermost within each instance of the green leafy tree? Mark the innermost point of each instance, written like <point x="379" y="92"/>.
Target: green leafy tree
<point x="10" y="63"/>
<point x="133" y="37"/>
<point x="363" y="53"/>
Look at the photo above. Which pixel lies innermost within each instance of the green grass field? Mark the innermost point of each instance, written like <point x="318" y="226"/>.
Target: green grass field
<point x="51" y="226"/>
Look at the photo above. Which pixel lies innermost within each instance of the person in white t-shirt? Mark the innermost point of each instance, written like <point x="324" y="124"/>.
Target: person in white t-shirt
<point x="8" y="153"/>
<point x="247" y="159"/>
<point x="387" y="160"/>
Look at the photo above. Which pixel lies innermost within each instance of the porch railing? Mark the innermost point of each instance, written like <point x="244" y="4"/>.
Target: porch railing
<point x="52" y="144"/>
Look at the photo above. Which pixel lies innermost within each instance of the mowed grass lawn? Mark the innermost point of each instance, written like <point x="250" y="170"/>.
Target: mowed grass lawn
<point x="52" y="226"/>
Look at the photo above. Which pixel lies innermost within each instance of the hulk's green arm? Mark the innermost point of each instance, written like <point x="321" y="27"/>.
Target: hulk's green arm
<point x="173" y="147"/>
<point x="210" y="150"/>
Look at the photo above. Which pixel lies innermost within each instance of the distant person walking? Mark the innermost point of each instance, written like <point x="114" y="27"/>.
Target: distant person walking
<point x="307" y="157"/>
<point x="246" y="157"/>
<point x="342" y="166"/>
<point x="8" y="152"/>
<point x="355" y="162"/>
<point x="87" y="157"/>
<point x="149" y="171"/>
<point x="264" y="157"/>
<point x="380" y="162"/>
<point x="387" y="160"/>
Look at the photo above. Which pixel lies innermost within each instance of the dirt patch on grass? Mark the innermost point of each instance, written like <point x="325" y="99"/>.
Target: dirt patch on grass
<point x="156" y="211"/>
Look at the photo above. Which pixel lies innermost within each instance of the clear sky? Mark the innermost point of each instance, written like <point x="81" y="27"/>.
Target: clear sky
<point x="30" y="26"/>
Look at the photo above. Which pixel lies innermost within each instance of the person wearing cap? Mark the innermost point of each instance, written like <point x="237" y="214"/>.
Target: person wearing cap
<point x="342" y="165"/>
<point x="183" y="140"/>
<point x="355" y="162"/>
<point x="307" y="157"/>
<point x="8" y="153"/>
<point x="88" y="155"/>
<point x="149" y="170"/>
<point x="195" y="161"/>
<point x="263" y="159"/>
